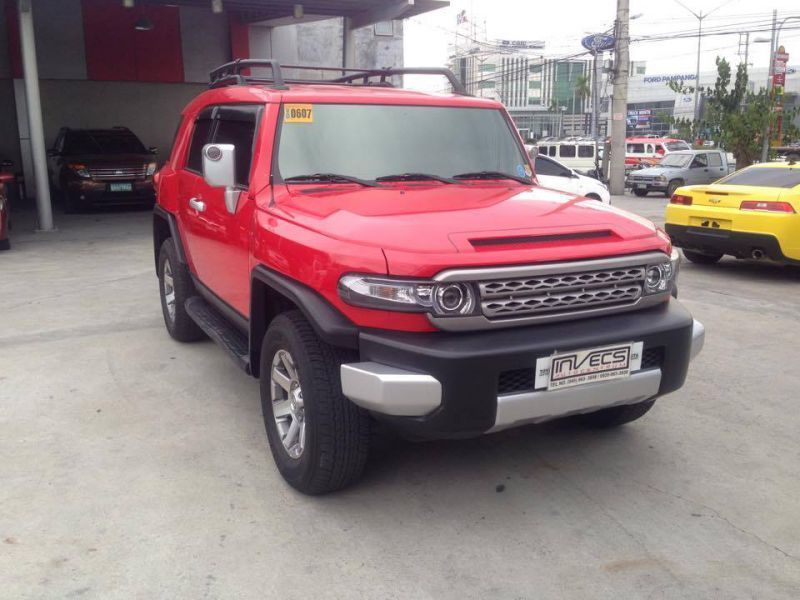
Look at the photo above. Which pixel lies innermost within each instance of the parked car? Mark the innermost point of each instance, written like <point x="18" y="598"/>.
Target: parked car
<point x="105" y="167"/>
<point x="688" y="167"/>
<point x="647" y="151"/>
<point x="574" y="154"/>
<point x="331" y="241"/>
<point x="752" y="213"/>
<point x="5" y="209"/>
<point x="552" y="174"/>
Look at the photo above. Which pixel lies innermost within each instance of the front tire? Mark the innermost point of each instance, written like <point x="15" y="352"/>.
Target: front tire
<point x="616" y="415"/>
<point x="640" y="193"/>
<point x="175" y="287"/>
<point x="673" y="186"/>
<point x="700" y="258"/>
<point x="318" y="438"/>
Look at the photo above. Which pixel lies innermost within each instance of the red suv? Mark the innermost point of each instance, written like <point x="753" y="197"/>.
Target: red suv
<point x="378" y="254"/>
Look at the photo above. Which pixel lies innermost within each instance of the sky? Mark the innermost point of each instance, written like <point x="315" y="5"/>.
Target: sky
<point x="562" y="25"/>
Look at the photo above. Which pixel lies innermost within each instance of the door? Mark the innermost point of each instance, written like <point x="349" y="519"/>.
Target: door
<point x="716" y="168"/>
<point x="698" y="170"/>
<point x="553" y="175"/>
<point x="54" y="160"/>
<point x="218" y="241"/>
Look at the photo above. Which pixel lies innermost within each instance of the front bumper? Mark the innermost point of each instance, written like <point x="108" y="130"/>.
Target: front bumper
<point x="725" y="241"/>
<point x="650" y="186"/>
<point x="94" y="192"/>
<point x="448" y="385"/>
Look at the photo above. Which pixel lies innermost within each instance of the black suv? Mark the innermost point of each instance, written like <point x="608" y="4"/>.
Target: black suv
<point x="93" y="167"/>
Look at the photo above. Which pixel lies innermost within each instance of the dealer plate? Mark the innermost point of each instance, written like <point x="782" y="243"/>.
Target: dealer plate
<point x="120" y="187"/>
<point x="568" y="369"/>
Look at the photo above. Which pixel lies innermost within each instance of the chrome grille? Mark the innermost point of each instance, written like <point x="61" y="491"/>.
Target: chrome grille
<point x="491" y="289"/>
<point x="137" y="171"/>
<point x="561" y="293"/>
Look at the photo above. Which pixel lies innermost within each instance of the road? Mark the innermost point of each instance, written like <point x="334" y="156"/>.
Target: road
<point x="136" y="467"/>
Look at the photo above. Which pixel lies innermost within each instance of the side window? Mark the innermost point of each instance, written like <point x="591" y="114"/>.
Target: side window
<point x="237" y="125"/>
<point x="651" y="149"/>
<point x="586" y="151"/>
<point x="636" y="148"/>
<point x="200" y="137"/>
<point x="700" y="160"/>
<point x="549" y="167"/>
<point x="714" y="160"/>
<point x="567" y="151"/>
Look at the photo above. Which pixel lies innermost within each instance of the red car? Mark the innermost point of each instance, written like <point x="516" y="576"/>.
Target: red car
<point x="375" y="254"/>
<point x="5" y="210"/>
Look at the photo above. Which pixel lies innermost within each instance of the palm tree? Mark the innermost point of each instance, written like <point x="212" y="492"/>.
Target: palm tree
<point x="582" y="89"/>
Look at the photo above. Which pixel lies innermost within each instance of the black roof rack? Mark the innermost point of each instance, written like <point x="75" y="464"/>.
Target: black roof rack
<point x="231" y="74"/>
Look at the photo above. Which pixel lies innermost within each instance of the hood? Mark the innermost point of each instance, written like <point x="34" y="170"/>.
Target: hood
<point x="479" y="222"/>
<point x="655" y="171"/>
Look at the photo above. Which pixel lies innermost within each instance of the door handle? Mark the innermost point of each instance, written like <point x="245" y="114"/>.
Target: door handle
<point x="198" y="205"/>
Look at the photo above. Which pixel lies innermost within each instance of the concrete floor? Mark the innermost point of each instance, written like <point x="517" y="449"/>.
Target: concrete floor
<point x="132" y="466"/>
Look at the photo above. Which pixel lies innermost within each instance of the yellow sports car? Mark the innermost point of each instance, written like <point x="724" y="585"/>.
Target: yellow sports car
<point x="752" y="213"/>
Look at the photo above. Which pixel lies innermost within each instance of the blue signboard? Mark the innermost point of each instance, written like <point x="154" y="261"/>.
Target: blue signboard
<point x="597" y="42"/>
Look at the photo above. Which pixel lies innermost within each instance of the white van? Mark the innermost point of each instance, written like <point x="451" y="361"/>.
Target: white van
<point x="578" y="155"/>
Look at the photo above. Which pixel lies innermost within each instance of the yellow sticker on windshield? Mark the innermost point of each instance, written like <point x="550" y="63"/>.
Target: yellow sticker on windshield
<point x="298" y="113"/>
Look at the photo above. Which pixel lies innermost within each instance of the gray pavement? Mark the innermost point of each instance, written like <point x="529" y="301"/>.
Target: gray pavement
<point x="132" y="466"/>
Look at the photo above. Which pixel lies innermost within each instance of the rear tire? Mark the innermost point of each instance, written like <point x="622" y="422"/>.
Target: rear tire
<point x="673" y="185"/>
<point x="175" y="286"/>
<point x="616" y="415"/>
<point x="327" y="449"/>
<point x="701" y="258"/>
<point x="640" y="193"/>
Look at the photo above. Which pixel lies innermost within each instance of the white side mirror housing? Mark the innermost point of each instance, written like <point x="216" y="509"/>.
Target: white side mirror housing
<point x="219" y="170"/>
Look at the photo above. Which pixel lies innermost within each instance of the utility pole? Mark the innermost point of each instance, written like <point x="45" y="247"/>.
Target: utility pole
<point x="770" y="73"/>
<point x="619" y="103"/>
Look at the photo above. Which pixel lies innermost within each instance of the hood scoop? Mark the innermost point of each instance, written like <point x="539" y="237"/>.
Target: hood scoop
<point x="544" y="240"/>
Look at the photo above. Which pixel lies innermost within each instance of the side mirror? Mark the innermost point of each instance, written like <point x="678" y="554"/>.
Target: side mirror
<point x="52" y="152"/>
<point x="219" y="170"/>
<point x="573" y="174"/>
<point x="533" y="152"/>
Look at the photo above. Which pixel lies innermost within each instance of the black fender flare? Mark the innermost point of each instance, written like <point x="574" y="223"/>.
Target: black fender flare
<point x="161" y="216"/>
<point x="270" y="291"/>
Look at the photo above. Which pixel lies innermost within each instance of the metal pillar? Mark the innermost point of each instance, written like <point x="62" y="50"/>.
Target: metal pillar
<point x="348" y="43"/>
<point x="34" y="101"/>
<point x="773" y="48"/>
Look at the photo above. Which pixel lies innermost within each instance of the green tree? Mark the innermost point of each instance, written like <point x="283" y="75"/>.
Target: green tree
<point x="735" y="118"/>
<point x="581" y="89"/>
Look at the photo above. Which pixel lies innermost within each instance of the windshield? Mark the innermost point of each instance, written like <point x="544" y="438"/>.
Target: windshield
<point x="675" y="160"/>
<point x="679" y="145"/>
<point x="371" y="141"/>
<point x="765" y="176"/>
<point x="103" y="142"/>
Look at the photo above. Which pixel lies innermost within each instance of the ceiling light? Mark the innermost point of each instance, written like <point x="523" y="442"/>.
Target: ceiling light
<point x="216" y="6"/>
<point x="143" y="24"/>
<point x="128" y="3"/>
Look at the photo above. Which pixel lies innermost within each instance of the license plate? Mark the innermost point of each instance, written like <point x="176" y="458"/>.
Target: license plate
<point x="710" y="223"/>
<point x="120" y="187"/>
<point x="641" y="186"/>
<point x="593" y="365"/>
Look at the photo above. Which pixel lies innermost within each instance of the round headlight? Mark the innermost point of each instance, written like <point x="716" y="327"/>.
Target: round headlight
<point x="657" y="278"/>
<point x="453" y="299"/>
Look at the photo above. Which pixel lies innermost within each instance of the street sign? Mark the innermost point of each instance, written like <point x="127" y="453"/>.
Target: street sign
<point x="779" y="79"/>
<point x="598" y="42"/>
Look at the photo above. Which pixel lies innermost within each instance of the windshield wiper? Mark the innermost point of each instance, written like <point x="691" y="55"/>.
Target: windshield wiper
<point x="492" y="175"/>
<point x="334" y="177"/>
<point x="415" y="177"/>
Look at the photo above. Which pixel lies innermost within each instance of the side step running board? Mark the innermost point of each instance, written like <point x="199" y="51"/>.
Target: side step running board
<point x="233" y="341"/>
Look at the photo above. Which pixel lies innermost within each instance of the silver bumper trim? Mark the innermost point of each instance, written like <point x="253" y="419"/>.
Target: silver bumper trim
<point x="389" y="390"/>
<point x="698" y="338"/>
<point x="533" y="407"/>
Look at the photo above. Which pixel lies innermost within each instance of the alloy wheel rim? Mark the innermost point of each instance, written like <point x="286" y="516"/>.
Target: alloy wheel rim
<point x="169" y="290"/>
<point x="288" y="409"/>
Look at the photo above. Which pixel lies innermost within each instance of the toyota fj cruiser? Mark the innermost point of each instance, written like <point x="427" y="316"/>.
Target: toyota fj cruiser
<point x="378" y="254"/>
